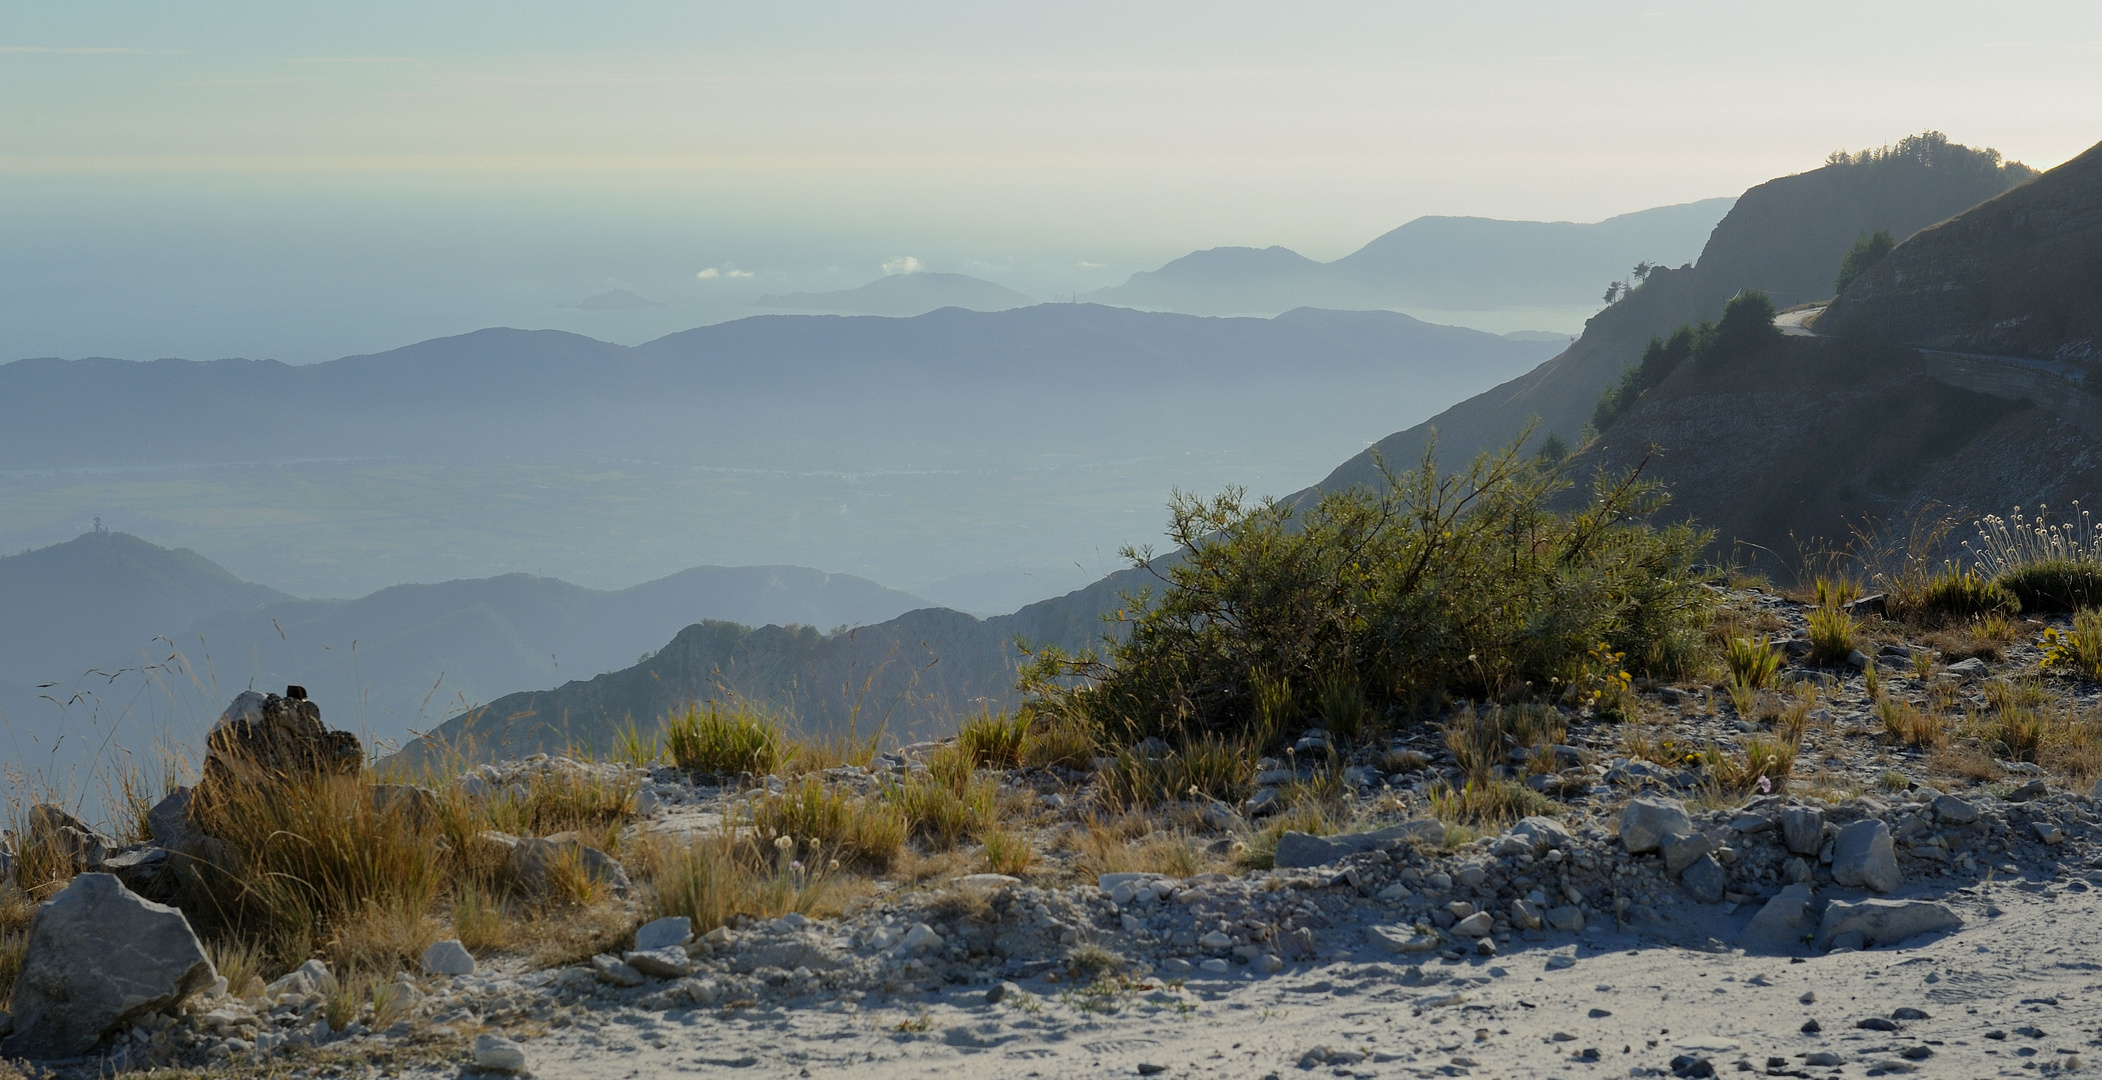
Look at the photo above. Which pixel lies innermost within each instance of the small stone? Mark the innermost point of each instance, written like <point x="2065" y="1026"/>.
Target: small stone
<point x="1215" y="966"/>
<point x="1215" y="939"/>
<point x="1681" y="852"/>
<point x="1599" y="1014"/>
<point x="922" y="938"/>
<point x="1809" y="997"/>
<point x="1884" y="922"/>
<point x="498" y="1054"/>
<point x="1404" y="940"/>
<point x="1705" y="880"/>
<point x="663" y="933"/>
<point x="1916" y="1053"/>
<point x="1876" y="1023"/>
<point x="1812" y="1027"/>
<point x="1803" y="829"/>
<point x="1005" y="991"/>
<point x="1485" y="946"/>
<point x="1823" y="1058"/>
<point x="1268" y="963"/>
<point x="1396" y="891"/>
<point x="1568" y="918"/>
<point x="1476" y="925"/>
<point x="1149" y="1069"/>
<point x="1909" y="1013"/>
<point x="1864" y="856"/>
<point x="1645" y="822"/>
<point x="448" y="957"/>
<point x="1950" y="810"/>
<point x="611" y="969"/>
<point x="670" y="962"/>
<point x="1526" y="914"/>
<point x="2047" y="832"/>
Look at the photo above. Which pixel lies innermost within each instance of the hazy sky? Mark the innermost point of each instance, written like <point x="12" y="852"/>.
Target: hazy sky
<point x="305" y="181"/>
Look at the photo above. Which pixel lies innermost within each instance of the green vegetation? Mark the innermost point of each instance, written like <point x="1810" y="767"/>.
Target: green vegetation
<point x="1752" y="663"/>
<point x="2042" y="565"/>
<point x="1427" y="586"/>
<point x="1747" y="325"/>
<point x="711" y="738"/>
<point x="1866" y="252"/>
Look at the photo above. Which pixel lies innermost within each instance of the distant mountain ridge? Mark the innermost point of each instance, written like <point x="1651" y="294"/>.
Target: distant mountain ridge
<point x="1438" y="263"/>
<point x="904" y="295"/>
<point x="384" y="665"/>
<point x="953" y="377"/>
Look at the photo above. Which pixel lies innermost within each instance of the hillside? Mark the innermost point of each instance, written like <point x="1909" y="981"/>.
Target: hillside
<point x="67" y="607"/>
<point x="912" y="675"/>
<point x="1811" y="436"/>
<point x="904" y="295"/>
<point x="1784" y="237"/>
<point x="2018" y="275"/>
<point x="1442" y="263"/>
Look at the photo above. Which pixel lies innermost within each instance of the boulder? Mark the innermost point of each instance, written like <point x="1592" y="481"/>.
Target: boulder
<point x="1863" y="856"/>
<point x="1297" y="850"/>
<point x="1644" y="823"/>
<point x="1705" y="879"/>
<point x="1568" y="918"/>
<point x="670" y="962"/>
<point x="448" y="957"/>
<point x="663" y="933"/>
<point x="1526" y="914"/>
<point x="1542" y="833"/>
<point x="147" y="871"/>
<point x="1950" y="810"/>
<point x="99" y="956"/>
<point x="1803" y="829"/>
<point x="1681" y="852"/>
<point x="1884" y="922"/>
<point x="1476" y="925"/>
<point x="533" y="863"/>
<point x="267" y="739"/>
<point x="1782" y="925"/>
<point x="55" y="837"/>
<point x="611" y="969"/>
<point x="498" y="1054"/>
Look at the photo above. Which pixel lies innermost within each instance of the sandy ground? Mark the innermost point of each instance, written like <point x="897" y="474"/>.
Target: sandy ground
<point x="2035" y="966"/>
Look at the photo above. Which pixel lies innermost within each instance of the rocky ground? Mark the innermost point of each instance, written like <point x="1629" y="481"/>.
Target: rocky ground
<point x="1896" y="909"/>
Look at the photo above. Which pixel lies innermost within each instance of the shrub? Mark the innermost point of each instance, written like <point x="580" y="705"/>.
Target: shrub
<point x="1208" y="766"/>
<point x="1904" y="722"/>
<point x="1488" y="802"/>
<point x="1063" y="741"/>
<point x="994" y="740"/>
<point x="950" y="804"/>
<point x="1752" y="663"/>
<point x="1951" y="595"/>
<point x="1831" y="632"/>
<point x="1868" y="250"/>
<point x="1427" y="584"/>
<point x="2077" y="650"/>
<point x="710" y="738"/>
<point x="2056" y="585"/>
<point x="858" y="831"/>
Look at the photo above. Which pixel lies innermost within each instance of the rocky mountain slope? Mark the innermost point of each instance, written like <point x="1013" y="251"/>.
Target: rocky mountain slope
<point x="1785" y="237"/>
<point x="1813" y="435"/>
<point x="2020" y="274"/>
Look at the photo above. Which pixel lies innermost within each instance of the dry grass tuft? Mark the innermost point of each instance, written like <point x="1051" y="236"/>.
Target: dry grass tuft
<point x="994" y="740"/>
<point x="1904" y="722"/>
<point x="861" y="832"/>
<point x="724" y="740"/>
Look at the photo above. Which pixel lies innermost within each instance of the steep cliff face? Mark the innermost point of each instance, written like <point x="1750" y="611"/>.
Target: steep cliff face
<point x="1785" y="237"/>
<point x="2019" y="275"/>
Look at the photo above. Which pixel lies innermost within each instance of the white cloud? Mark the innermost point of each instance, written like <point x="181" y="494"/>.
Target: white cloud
<point x="709" y="274"/>
<point x="903" y="264"/>
<point x="739" y="273"/>
<point x="1091" y="266"/>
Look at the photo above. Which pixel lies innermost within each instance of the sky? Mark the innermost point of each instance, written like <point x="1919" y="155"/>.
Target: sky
<point x="309" y="181"/>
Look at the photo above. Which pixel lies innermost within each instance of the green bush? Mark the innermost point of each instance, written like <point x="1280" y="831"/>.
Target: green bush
<point x="724" y="741"/>
<point x="2056" y="585"/>
<point x="1426" y="585"/>
<point x="1866" y="252"/>
<point x="1747" y="325"/>
<point x="1951" y="595"/>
